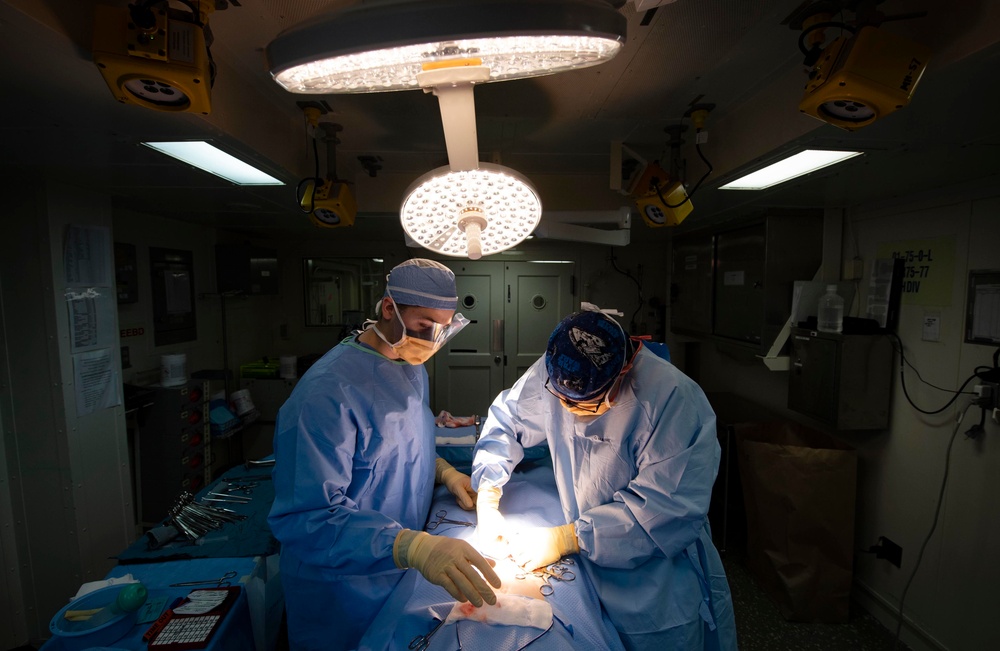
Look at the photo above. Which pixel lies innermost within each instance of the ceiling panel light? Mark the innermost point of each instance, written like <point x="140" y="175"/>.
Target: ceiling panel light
<point x="789" y="168"/>
<point x="470" y="213"/>
<point x="384" y="46"/>
<point x="207" y="157"/>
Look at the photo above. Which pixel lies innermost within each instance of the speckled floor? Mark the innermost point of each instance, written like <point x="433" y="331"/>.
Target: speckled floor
<point x="760" y="626"/>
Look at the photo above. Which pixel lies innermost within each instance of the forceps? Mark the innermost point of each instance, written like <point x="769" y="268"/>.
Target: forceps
<point x="222" y="581"/>
<point x="441" y="519"/>
<point x="420" y="642"/>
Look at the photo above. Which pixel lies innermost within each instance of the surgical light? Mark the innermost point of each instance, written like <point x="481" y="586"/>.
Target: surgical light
<point x="383" y="46"/>
<point x="446" y="47"/>
<point x="800" y="164"/>
<point x="470" y="213"/>
<point x="207" y="157"/>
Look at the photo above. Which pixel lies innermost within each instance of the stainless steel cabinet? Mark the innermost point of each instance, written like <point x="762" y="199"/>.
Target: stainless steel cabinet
<point x="739" y="283"/>
<point x="735" y="281"/>
<point x="691" y="289"/>
<point x="841" y="380"/>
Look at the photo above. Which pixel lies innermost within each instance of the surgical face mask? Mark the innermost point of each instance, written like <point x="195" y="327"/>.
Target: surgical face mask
<point x="418" y="346"/>
<point x="591" y="407"/>
<point x="587" y="409"/>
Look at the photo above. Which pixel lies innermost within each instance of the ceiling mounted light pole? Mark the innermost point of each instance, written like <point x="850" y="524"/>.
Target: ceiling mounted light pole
<point x="446" y="47"/>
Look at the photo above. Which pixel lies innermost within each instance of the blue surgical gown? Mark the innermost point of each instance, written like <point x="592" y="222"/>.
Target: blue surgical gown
<point x="354" y="464"/>
<point x="636" y="483"/>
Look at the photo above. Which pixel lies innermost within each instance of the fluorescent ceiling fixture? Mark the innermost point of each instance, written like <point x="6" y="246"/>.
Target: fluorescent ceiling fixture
<point x="207" y="157"/>
<point x="470" y="213"/>
<point x="383" y="46"/>
<point x="789" y="168"/>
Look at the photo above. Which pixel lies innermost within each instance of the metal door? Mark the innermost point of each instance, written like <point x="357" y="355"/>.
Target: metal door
<point x="512" y="308"/>
<point x="539" y="295"/>
<point x="470" y="367"/>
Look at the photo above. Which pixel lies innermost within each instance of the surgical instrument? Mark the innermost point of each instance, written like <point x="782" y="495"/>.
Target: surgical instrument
<point x="555" y="572"/>
<point x="222" y="581"/>
<point x="240" y="486"/>
<point x="548" y="577"/>
<point x="441" y="519"/>
<point x="195" y="519"/>
<point x="421" y="642"/>
<point x="230" y="497"/>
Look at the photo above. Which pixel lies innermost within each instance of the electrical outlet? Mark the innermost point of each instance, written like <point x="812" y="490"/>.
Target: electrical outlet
<point x="989" y="392"/>
<point x="889" y="550"/>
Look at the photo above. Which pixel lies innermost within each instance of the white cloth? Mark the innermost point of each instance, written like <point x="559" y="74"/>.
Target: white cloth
<point x="455" y="440"/>
<point x="89" y="587"/>
<point x="509" y="610"/>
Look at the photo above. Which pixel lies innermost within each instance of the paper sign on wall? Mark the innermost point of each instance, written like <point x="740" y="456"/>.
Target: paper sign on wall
<point x="929" y="270"/>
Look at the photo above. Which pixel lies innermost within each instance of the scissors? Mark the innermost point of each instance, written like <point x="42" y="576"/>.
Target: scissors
<point x="420" y="642"/>
<point x="222" y="581"/>
<point x="555" y="572"/>
<point x="550" y="574"/>
<point x="441" y="519"/>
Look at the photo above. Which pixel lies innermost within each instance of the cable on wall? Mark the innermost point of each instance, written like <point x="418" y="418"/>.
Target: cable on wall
<point x="937" y="513"/>
<point x="902" y="379"/>
<point x="632" y="322"/>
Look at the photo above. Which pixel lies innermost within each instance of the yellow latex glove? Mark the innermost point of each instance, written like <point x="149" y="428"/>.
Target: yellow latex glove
<point x="534" y="548"/>
<point x="458" y="483"/>
<point x="490" y="524"/>
<point x="448" y="562"/>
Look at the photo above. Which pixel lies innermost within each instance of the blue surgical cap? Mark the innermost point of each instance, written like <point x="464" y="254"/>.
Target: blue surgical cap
<point x="585" y="354"/>
<point x="423" y="283"/>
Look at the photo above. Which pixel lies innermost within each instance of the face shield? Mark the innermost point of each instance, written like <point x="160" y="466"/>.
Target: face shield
<point x="416" y="346"/>
<point x="438" y="334"/>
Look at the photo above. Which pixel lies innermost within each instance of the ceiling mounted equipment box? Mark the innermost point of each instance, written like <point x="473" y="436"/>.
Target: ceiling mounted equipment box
<point x="162" y="66"/>
<point x="862" y="78"/>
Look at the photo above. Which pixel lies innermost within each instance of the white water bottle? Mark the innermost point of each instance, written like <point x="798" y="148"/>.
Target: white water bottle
<point x="830" y="313"/>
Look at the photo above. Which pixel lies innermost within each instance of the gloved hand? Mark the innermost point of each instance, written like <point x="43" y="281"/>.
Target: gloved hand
<point x="458" y="483"/>
<point x="534" y="548"/>
<point x="448" y="562"/>
<point x="445" y="419"/>
<point x="490" y="524"/>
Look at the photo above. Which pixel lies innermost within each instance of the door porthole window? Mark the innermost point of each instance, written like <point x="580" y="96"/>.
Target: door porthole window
<point x="538" y="301"/>
<point x="468" y="301"/>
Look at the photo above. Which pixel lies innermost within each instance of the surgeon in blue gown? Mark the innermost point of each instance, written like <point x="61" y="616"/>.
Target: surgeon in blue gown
<point x="635" y="455"/>
<point x="355" y="469"/>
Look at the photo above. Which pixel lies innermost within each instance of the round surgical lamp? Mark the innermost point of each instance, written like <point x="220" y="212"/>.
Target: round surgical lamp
<point x="382" y="46"/>
<point x="470" y="212"/>
<point x="446" y="47"/>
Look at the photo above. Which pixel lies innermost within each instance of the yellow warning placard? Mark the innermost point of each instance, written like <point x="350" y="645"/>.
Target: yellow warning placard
<point x="929" y="271"/>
